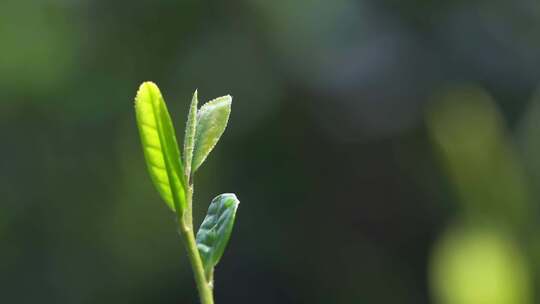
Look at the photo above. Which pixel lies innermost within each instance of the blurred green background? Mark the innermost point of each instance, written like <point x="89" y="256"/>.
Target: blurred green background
<point x="383" y="151"/>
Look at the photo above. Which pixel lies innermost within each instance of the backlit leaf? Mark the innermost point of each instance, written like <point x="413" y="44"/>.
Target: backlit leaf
<point x="160" y="146"/>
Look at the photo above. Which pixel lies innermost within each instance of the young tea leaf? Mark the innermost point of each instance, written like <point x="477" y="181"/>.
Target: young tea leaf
<point x="159" y="145"/>
<point x="215" y="231"/>
<point x="189" y="138"/>
<point x="212" y="119"/>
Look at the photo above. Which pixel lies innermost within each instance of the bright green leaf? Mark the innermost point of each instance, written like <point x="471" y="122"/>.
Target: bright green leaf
<point x="216" y="229"/>
<point x="212" y="119"/>
<point x="159" y="145"/>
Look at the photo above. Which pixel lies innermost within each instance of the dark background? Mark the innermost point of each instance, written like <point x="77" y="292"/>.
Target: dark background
<point x="383" y="151"/>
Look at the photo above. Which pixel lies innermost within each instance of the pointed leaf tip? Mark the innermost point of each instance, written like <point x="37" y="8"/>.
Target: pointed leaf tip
<point x="189" y="137"/>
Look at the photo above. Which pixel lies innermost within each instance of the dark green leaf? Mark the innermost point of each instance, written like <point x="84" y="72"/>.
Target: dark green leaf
<point x="215" y="231"/>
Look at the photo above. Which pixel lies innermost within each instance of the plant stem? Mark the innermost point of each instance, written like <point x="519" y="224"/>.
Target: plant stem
<point x="204" y="286"/>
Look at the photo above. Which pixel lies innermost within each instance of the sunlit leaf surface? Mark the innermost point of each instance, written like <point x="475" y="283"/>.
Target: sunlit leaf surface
<point x="159" y="145"/>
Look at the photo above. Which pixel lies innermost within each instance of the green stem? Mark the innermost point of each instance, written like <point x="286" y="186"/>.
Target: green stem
<point x="186" y="231"/>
